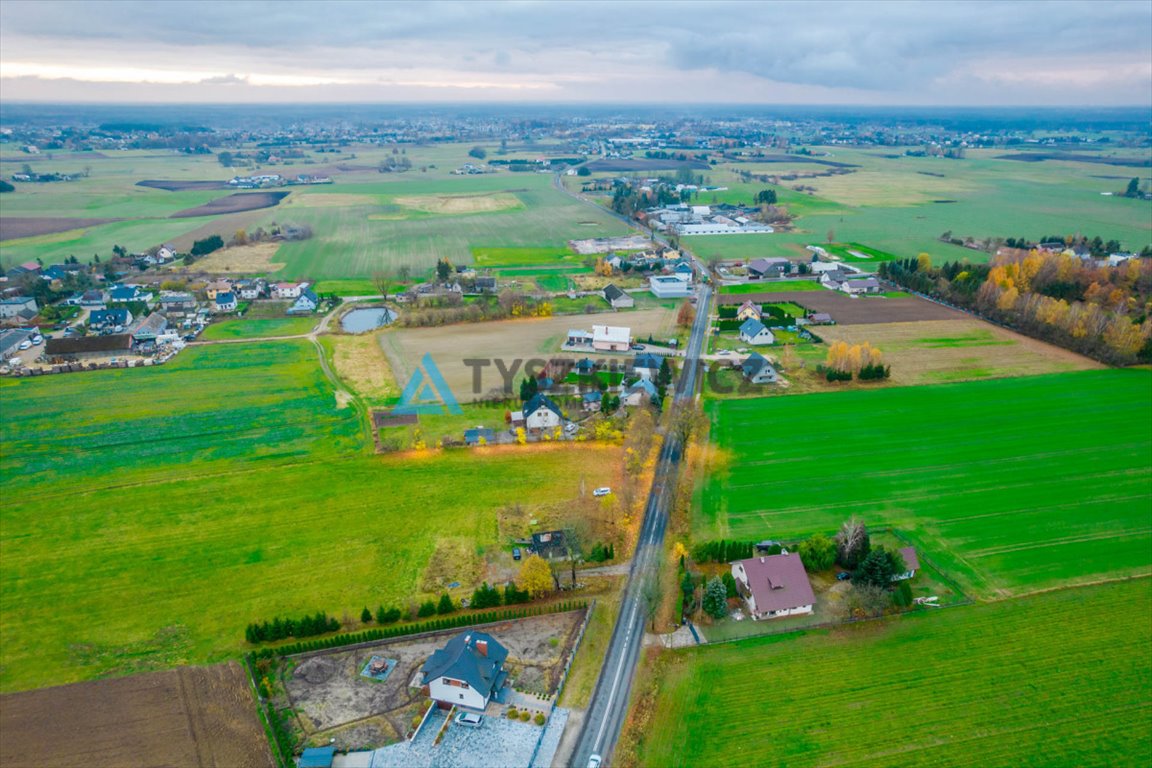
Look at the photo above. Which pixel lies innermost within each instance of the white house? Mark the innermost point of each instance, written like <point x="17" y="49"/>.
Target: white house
<point x="225" y="302"/>
<point x="774" y="586"/>
<point x="757" y="370"/>
<point x="13" y="307"/>
<point x="288" y="290"/>
<point x="911" y="562"/>
<point x="640" y="393"/>
<point x="753" y="331"/>
<point x="856" y="287"/>
<point x="541" y="413"/>
<point x="578" y="338"/>
<point x="669" y="287"/>
<point x="611" y="338"/>
<point x="305" y="303"/>
<point x="617" y="298"/>
<point x="466" y="672"/>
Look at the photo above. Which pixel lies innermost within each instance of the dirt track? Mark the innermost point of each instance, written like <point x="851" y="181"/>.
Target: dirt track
<point x="849" y="311"/>
<point x="14" y="227"/>
<point x="241" y="201"/>
<point x="201" y="717"/>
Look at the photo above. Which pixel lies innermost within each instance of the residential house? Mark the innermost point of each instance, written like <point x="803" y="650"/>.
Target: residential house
<point x="857" y="287"/>
<point x="166" y="253"/>
<point x="757" y="370"/>
<point x="288" y="290"/>
<point x="683" y="270"/>
<point x="123" y="294"/>
<point x="585" y="367"/>
<point x="93" y="299"/>
<point x="749" y="310"/>
<point x="911" y="564"/>
<point x="541" y="413"/>
<point x="306" y="303"/>
<point x="642" y="392"/>
<point x="590" y="402"/>
<point x="669" y="287"/>
<point x="485" y="285"/>
<point x="647" y="365"/>
<point x="479" y="436"/>
<point x="759" y="269"/>
<point x="820" y="318"/>
<point x="611" y="338"/>
<point x="225" y="302"/>
<point x="16" y="306"/>
<point x="550" y="545"/>
<point x="152" y="327"/>
<point x="755" y="332"/>
<point x="773" y="586"/>
<point x="467" y="672"/>
<point x="173" y="302"/>
<point x="616" y="298"/>
<point x="109" y="319"/>
<point x="249" y="290"/>
<point x="216" y="287"/>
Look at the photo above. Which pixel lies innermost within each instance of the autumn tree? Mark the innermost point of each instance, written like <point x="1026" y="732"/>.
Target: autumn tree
<point x="536" y="576"/>
<point x="686" y="315"/>
<point x="852" y="543"/>
<point x="818" y="553"/>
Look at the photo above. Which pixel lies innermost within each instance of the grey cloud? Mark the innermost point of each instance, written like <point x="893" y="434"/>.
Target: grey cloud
<point x="224" y="80"/>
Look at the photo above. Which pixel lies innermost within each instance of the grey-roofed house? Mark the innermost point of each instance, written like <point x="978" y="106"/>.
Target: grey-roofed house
<point x="647" y="365"/>
<point x="617" y="298"/>
<point x="225" y="301"/>
<point x="152" y="326"/>
<point x="640" y="393"/>
<point x="467" y="672"/>
<point x="911" y="564"/>
<point x="479" y="436"/>
<point x="752" y="331"/>
<point x="17" y="306"/>
<point x="757" y="370"/>
<point x="10" y="341"/>
<point x="776" y="267"/>
<point x="773" y="586"/>
<point x="591" y="401"/>
<point x="305" y="304"/>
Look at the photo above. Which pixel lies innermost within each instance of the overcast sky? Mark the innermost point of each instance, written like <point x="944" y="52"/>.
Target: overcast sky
<point x="883" y="53"/>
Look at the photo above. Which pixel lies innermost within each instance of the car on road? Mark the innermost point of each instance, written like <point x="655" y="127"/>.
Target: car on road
<point x="602" y="491"/>
<point x="470" y="719"/>
<point x="638" y="347"/>
<point x="843" y="576"/>
<point x="594" y="761"/>
<point x="515" y="553"/>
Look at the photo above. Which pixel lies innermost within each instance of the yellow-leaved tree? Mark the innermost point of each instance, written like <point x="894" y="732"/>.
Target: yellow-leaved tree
<point x="536" y="576"/>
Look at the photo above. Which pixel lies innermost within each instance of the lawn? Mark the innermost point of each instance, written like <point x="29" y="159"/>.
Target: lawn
<point x="1039" y="681"/>
<point x="259" y="327"/>
<point x="1010" y="485"/>
<point x="189" y="499"/>
<point x="773" y="286"/>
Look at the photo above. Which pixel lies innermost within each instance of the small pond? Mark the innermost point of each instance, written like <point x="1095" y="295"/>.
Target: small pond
<point x="361" y="320"/>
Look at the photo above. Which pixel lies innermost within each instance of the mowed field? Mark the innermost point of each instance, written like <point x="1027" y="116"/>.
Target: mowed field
<point x="200" y="717"/>
<point x="1009" y="485"/>
<point x="1040" y="681"/>
<point x="149" y="518"/>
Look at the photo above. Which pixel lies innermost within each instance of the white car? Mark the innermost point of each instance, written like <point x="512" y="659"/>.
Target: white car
<point x="25" y="344"/>
<point x="602" y="491"/>
<point x="594" y="761"/>
<point x="470" y="719"/>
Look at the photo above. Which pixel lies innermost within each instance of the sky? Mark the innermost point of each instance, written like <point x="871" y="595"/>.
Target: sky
<point x="927" y="52"/>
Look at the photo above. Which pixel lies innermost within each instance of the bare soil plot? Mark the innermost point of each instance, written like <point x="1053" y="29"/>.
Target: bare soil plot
<point x="848" y="311"/>
<point x="511" y="342"/>
<point x="193" y="716"/>
<point x="241" y="259"/>
<point x="241" y="201"/>
<point x="461" y="204"/>
<point x="334" y="701"/>
<point x="16" y="227"/>
<point x="173" y="185"/>
<point x="226" y="226"/>
<point x="935" y="351"/>
<point x="606" y="244"/>
<point x="360" y="363"/>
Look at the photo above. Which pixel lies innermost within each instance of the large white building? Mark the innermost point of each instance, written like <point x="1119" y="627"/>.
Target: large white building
<point x="669" y="287"/>
<point x="611" y="338"/>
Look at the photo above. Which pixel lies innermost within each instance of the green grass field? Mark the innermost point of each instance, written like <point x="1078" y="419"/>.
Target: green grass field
<point x="1009" y="485"/>
<point x="258" y="327"/>
<point x="152" y="513"/>
<point x="1040" y="681"/>
<point x="773" y="286"/>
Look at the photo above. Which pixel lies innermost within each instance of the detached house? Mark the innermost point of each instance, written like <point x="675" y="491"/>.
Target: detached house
<point x="305" y="303"/>
<point x="761" y="268"/>
<point x="541" y="413"/>
<point x="757" y="370"/>
<point x="911" y="563"/>
<point x="774" y="586"/>
<point x="617" y="298"/>
<point x="610" y="338"/>
<point x="755" y="332"/>
<point x="16" y="306"/>
<point x="748" y="311"/>
<point x="225" y="302"/>
<point x="467" y="672"/>
<point x="647" y="365"/>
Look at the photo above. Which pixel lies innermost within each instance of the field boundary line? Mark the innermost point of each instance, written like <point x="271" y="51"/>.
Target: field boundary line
<point x="1068" y="587"/>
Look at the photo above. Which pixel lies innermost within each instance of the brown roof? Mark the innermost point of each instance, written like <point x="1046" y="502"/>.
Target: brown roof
<point x="910" y="559"/>
<point x="83" y="344"/>
<point x="778" y="582"/>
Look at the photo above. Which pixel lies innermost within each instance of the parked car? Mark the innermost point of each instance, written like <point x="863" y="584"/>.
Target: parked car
<point x="25" y="344"/>
<point x="843" y="576"/>
<point x="638" y="347"/>
<point x="571" y="428"/>
<point x="594" y="761"/>
<point x="515" y="553"/>
<point x="602" y="491"/>
<point x="470" y="719"/>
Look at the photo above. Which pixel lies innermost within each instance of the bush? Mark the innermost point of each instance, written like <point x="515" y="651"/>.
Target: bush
<point x="512" y="713"/>
<point x="729" y="584"/>
<point x="722" y="551"/>
<point x="818" y="553"/>
<point x="902" y="595"/>
<point x="416" y="721"/>
<point x="426" y="609"/>
<point x="446" y="605"/>
<point x="390" y="616"/>
<point x="365" y="616"/>
<point x="540" y="719"/>
<point x="525" y="716"/>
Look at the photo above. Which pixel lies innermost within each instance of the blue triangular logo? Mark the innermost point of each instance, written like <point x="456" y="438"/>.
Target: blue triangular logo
<point x="427" y="392"/>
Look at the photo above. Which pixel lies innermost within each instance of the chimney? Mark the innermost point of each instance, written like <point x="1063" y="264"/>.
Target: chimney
<point x="482" y="648"/>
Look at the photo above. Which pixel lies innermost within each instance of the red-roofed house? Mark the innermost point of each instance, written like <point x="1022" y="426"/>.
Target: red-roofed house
<point x="774" y="586"/>
<point x="911" y="562"/>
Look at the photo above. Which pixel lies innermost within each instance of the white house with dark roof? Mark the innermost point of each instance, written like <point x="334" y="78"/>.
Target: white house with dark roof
<point x="467" y="672"/>
<point x="757" y="370"/>
<point x="617" y="298"/>
<point x="15" y="306"/>
<point x="774" y="586"/>
<point x="225" y="302"/>
<point x="541" y="413"/>
<point x="305" y="303"/>
<point x="752" y="331"/>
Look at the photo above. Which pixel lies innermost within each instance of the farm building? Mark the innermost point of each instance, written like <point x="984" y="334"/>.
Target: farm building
<point x="88" y="346"/>
<point x="578" y="338"/>
<point x="911" y="563"/>
<point x="617" y="298"/>
<point x="669" y="287"/>
<point x="774" y="586"/>
<point x="757" y="370"/>
<point x="611" y="338"/>
<point x="11" y="340"/>
<point x="13" y="308"/>
<point x="753" y="331"/>
<point x="151" y="327"/>
<point x="466" y="672"/>
<point x="749" y="310"/>
<point x="541" y="413"/>
<point x="762" y="268"/>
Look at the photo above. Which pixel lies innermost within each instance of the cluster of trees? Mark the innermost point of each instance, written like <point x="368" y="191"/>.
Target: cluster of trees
<point x="207" y="245"/>
<point x="279" y="629"/>
<point x="627" y="199"/>
<point x="722" y="551"/>
<point x="1100" y="311"/>
<point x="447" y="309"/>
<point x="766" y="197"/>
<point x="602" y="552"/>
<point x="862" y="360"/>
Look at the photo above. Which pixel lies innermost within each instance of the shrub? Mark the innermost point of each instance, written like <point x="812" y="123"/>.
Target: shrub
<point x="426" y="609"/>
<point x="525" y="715"/>
<point x="818" y="553"/>
<point x="416" y="721"/>
<point x="540" y="719"/>
<point x="512" y="713"/>
<point x="729" y="584"/>
<point x="902" y="595"/>
<point x="365" y="616"/>
<point x="446" y="605"/>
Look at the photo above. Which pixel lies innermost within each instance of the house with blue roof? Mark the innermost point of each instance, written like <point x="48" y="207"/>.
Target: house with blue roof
<point x="479" y="436"/>
<point x="467" y="672"/>
<point x="541" y="413"/>
<point x="100" y="319"/>
<point x="591" y="401"/>
<point x="757" y="370"/>
<point x="752" y="331"/>
<point x="640" y="393"/>
<point x="305" y="304"/>
<point x="647" y="365"/>
<point x="122" y="294"/>
<point x="225" y="302"/>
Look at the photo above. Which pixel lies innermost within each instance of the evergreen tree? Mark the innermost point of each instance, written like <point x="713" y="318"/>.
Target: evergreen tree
<point x="716" y="598"/>
<point x="446" y="606"/>
<point x="365" y="615"/>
